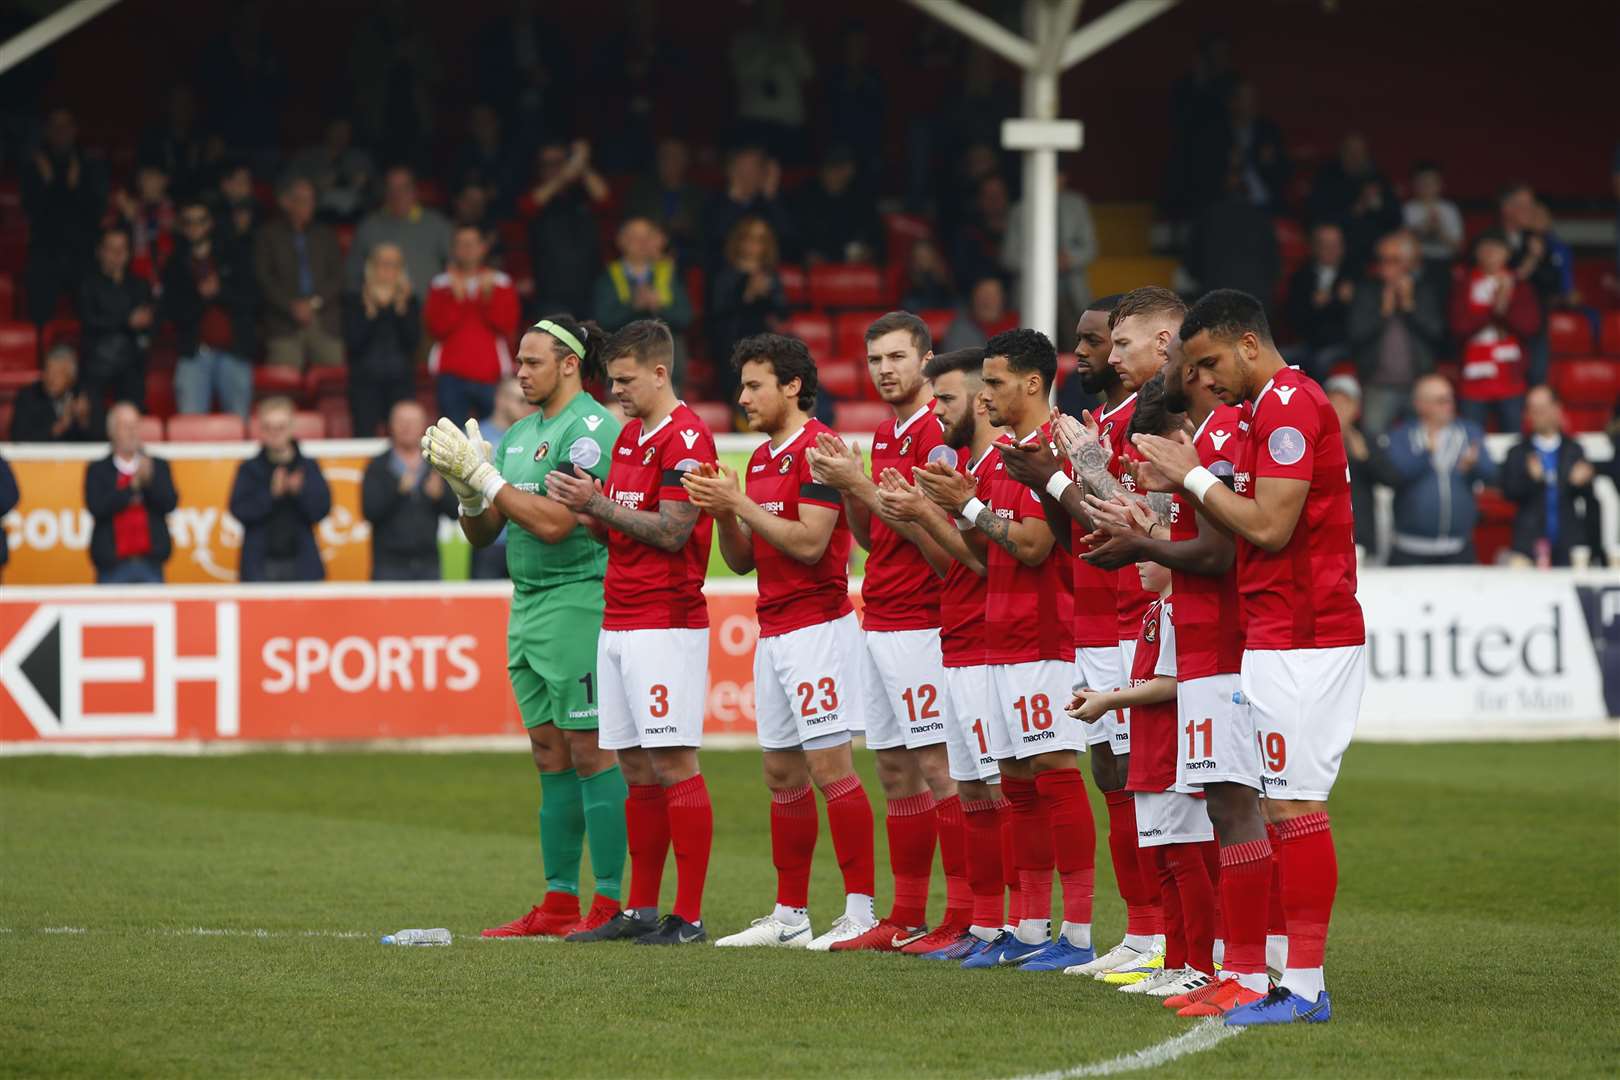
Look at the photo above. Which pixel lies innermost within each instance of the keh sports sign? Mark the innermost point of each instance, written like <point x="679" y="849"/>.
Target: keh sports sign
<point x="48" y="534"/>
<point x="1451" y="653"/>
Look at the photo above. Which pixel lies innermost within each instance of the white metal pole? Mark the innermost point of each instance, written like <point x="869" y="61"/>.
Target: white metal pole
<point x="48" y="29"/>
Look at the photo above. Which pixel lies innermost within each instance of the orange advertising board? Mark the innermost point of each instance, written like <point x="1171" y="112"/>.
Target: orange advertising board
<point x="49" y="531"/>
<point x="269" y="664"/>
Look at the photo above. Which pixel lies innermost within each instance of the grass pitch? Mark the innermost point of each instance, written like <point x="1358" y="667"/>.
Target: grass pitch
<point x="1477" y="933"/>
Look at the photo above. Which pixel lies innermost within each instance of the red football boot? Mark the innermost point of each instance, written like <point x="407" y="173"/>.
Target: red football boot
<point x="553" y="917"/>
<point x="603" y="909"/>
<point x="1218" y="998"/>
<point x="942" y="935"/>
<point x="886" y="936"/>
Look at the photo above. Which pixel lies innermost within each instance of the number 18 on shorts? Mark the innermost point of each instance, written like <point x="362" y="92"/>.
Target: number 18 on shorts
<point x="653" y="686"/>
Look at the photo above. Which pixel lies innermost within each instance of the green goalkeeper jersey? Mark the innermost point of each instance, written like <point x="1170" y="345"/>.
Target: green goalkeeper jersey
<point x="583" y="433"/>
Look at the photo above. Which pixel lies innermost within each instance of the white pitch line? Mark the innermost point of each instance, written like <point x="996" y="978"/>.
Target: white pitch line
<point x="1201" y="1037"/>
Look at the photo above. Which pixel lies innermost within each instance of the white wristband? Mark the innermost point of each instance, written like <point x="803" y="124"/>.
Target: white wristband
<point x="474" y="507"/>
<point x="970" y="512"/>
<point x="1198" y="481"/>
<point x="1058" y="483"/>
<point x="492" y="485"/>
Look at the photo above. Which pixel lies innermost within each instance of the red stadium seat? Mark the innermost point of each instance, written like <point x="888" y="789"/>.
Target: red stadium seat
<point x="849" y="333"/>
<point x="19" y="346"/>
<point x="322" y="381"/>
<point x="151" y="429"/>
<point x="8" y="296"/>
<point x="1569" y="333"/>
<point x="6" y="409"/>
<point x="860" y="416"/>
<point x="272" y="380"/>
<point x="900" y="232"/>
<point x="840" y="377"/>
<point x="847" y="285"/>
<point x="717" y="414"/>
<point x="1589" y="381"/>
<point x="939" y="321"/>
<point x="14" y="379"/>
<point x="160" y="394"/>
<point x="206" y="427"/>
<point x="795" y="286"/>
<point x="1611" y="333"/>
<point x="812" y="328"/>
<point x="162" y="357"/>
<point x="306" y="425"/>
<point x="1495" y="529"/>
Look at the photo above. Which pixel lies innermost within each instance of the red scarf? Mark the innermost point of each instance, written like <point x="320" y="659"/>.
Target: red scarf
<point x="132" y="529"/>
<point x="1493" y="365"/>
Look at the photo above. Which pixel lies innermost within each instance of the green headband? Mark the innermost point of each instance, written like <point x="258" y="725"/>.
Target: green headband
<point x="573" y="343"/>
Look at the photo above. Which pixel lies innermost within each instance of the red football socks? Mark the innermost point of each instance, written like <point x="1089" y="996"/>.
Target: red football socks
<point x="1032" y="846"/>
<point x="912" y="827"/>
<point x="691" y="832"/>
<point x="646" y="826"/>
<point x="1196" y="897"/>
<point x="849" y="816"/>
<point x="1137" y="878"/>
<point x="1212" y="865"/>
<point x="1074" y="840"/>
<point x="953" y="859"/>
<point x="1277" y="919"/>
<point x="1009" y="865"/>
<point x="1245" y="881"/>
<point x="1175" y="929"/>
<point x="793" y="844"/>
<point x="982" y="825"/>
<point x="1310" y="879"/>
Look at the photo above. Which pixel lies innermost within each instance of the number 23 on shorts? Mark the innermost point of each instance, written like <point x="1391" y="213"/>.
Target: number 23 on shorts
<point x="818" y="697"/>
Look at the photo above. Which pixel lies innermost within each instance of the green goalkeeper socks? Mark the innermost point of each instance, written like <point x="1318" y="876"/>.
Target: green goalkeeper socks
<point x="604" y="796"/>
<point x="562" y="829"/>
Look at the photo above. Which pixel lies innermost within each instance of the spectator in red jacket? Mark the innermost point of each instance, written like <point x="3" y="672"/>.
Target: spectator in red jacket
<point x="472" y="315"/>
<point x="1493" y="313"/>
<point x="147" y="215"/>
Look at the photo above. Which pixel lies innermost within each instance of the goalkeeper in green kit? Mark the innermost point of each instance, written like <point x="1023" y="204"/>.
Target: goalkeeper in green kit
<point x="556" y="569"/>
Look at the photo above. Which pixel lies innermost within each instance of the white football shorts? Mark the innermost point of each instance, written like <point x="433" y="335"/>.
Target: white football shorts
<point x="1215" y="735"/>
<point x="1099" y="668"/>
<point x="902" y="678"/>
<point x="1305" y="704"/>
<point x="1030" y="701"/>
<point x="973" y="743"/>
<point x="653" y="686"/>
<point x="807" y="683"/>
<point x="1171" y="817"/>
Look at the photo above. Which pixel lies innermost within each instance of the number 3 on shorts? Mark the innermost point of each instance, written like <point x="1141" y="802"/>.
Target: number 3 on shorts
<point x="660" y="701"/>
<point x="828" y="689"/>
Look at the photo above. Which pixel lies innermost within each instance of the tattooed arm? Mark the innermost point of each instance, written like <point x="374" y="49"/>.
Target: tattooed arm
<point x="1029" y="540"/>
<point x="667" y="530"/>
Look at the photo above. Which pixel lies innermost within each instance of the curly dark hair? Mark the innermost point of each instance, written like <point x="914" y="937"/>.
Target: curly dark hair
<point x="1026" y="351"/>
<point x="789" y="359"/>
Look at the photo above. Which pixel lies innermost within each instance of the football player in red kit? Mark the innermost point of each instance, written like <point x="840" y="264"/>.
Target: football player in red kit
<point x="1303" y="667"/>
<point x="807" y="668"/>
<point x="652" y="658"/>
<point x="904" y="676"/>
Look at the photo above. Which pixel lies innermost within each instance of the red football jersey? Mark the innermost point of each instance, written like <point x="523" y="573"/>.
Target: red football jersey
<point x="961" y="604"/>
<point x="1153" y="727"/>
<point x="646" y="588"/>
<point x="1209" y="636"/>
<point x="1131" y="600"/>
<point x="901" y="591"/>
<point x="793" y="595"/>
<point x="1029" y="610"/>
<point x="1304" y="596"/>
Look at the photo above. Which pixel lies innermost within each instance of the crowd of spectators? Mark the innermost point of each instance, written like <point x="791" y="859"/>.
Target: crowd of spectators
<point x="363" y="252"/>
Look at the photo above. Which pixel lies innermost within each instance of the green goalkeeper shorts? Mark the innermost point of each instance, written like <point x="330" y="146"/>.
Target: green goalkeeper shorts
<point x="551" y="654"/>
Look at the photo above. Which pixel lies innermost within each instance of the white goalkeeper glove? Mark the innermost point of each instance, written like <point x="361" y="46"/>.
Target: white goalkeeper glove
<point x="463" y="460"/>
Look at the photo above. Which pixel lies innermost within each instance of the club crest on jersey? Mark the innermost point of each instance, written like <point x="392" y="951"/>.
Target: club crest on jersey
<point x="786" y="465"/>
<point x="1150" y="631"/>
<point x="905" y="446"/>
<point x="541" y="451"/>
<point x="1286" y="445"/>
<point x="647" y="456"/>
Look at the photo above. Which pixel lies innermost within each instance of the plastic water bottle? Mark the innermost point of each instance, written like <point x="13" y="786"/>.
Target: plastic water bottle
<point x="439" y="936"/>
